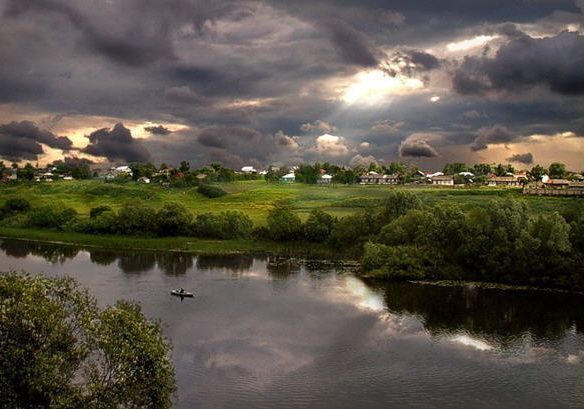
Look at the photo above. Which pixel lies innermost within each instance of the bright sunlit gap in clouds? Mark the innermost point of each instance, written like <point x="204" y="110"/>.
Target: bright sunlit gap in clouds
<point x="372" y="87"/>
<point x="470" y="43"/>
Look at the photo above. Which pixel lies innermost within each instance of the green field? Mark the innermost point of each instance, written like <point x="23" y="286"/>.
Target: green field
<point x="255" y="198"/>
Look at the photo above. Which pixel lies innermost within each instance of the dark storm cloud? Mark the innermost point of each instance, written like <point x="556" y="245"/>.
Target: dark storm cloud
<point x="157" y="130"/>
<point x="525" y="158"/>
<point x="354" y="46"/>
<point x="141" y="45"/>
<point x="417" y="148"/>
<point x="226" y="137"/>
<point x="116" y="144"/>
<point x="493" y="135"/>
<point x="525" y="62"/>
<point x="22" y="140"/>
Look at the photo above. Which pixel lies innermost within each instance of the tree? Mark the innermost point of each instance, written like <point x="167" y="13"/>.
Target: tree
<point x="26" y="173"/>
<point x="319" y="226"/>
<point x="481" y="169"/>
<point x="455" y="168"/>
<point x="283" y="224"/>
<point x="184" y="166"/>
<point x="398" y="203"/>
<point x="537" y="172"/>
<point x="58" y="349"/>
<point x="173" y="220"/>
<point x="557" y="170"/>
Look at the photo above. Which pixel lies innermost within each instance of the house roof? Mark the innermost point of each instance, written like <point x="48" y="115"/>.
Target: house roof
<point x="442" y="177"/>
<point x="326" y="177"/>
<point x="502" y="179"/>
<point x="557" y="182"/>
<point x="289" y="176"/>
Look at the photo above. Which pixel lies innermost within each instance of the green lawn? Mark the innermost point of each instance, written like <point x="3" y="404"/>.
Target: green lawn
<point x="256" y="197"/>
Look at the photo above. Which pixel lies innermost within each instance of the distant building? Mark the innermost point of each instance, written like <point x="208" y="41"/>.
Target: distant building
<point x="374" y="178"/>
<point x="442" y="180"/>
<point x="289" y="178"/>
<point x="325" y="179"/>
<point x="557" y="183"/>
<point x="248" y="169"/>
<point x="144" y="179"/>
<point x="503" y="181"/>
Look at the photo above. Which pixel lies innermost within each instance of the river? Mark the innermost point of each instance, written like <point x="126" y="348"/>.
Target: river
<point x="265" y="332"/>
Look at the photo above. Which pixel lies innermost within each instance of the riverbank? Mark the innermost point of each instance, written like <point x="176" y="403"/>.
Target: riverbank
<point x="189" y="245"/>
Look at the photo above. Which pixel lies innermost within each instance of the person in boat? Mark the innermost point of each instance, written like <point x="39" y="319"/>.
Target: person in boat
<point x="182" y="290"/>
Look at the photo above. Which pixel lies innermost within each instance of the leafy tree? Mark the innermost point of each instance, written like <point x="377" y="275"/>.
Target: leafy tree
<point x="319" y="226"/>
<point x="140" y="170"/>
<point x="455" y="168"/>
<point x="557" y="170"/>
<point x="283" y="224"/>
<point x="537" y="172"/>
<point x="398" y="203"/>
<point x="184" y="166"/>
<point x="136" y="218"/>
<point x="481" y="169"/>
<point x="356" y="229"/>
<point x="52" y="217"/>
<point x="173" y="219"/>
<point x="59" y="350"/>
<point x="410" y="228"/>
<point x="397" y="168"/>
<point x="307" y="174"/>
<point x="26" y="173"/>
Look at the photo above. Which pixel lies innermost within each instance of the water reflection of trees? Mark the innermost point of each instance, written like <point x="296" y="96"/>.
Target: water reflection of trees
<point x="53" y="253"/>
<point x="481" y="311"/>
<point x="236" y="263"/>
<point x="282" y="267"/>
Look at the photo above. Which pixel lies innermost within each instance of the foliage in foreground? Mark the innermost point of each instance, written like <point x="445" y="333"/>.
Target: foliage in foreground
<point x="59" y="350"/>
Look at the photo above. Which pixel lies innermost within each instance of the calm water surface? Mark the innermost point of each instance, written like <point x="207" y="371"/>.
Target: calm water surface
<point x="273" y="333"/>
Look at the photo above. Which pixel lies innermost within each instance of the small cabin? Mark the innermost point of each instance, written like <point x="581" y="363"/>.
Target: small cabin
<point x="443" y="180"/>
<point x="289" y="178"/>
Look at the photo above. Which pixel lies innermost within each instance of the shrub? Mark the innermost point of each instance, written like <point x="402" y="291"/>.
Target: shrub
<point x="398" y="262"/>
<point x="96" y="211"/>
<point x="211" y="191"/>
<point x="173" y="220"/>
<point x="16" y="205"/>
<point x="398" y="203"/>
<point x="136" y="219"/>
<point x="225" y="225"/>
<point x="355" y="229"/>
<point x="283" y="224"/>
<point x="319" y="226"/>
<point x="48" y="217"/>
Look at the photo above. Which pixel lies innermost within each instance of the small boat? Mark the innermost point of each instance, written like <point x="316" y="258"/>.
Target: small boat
<point x="181" y="293"/>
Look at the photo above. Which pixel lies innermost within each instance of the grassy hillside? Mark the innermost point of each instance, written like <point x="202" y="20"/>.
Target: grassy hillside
<point x="255" y="198"/>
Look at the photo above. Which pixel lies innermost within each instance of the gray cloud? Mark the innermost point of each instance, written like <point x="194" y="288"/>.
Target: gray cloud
<point x="525" y="62"/>
<point x="354" y="46"/>
<point x="116" y="144"/>
<point x="417" y="148"/>
<point x="525" y="158"/>
<point x="22" y="140"/>
<point x="492" y="135"/>
<point x="157" y="130"/>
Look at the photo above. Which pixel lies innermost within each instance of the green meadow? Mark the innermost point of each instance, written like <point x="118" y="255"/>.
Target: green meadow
<point x="255" y="198"/>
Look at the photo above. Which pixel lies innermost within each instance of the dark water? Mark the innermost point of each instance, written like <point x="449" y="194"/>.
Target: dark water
<point x="269" y="333"/>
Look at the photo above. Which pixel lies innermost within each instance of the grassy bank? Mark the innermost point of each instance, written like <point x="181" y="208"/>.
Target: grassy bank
<point x="255" y="198"/>
<point x="180" y="244"/>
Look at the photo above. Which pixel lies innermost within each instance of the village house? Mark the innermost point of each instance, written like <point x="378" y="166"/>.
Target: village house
<point x="557" y="183"/>
<point x="374" y="178"/>
<point x="248" y="169"/>
<point x="325" y="179"/>
<point x="289" y="178"/>
<point x="503" y="181"/>
<point x="442" y="180"/>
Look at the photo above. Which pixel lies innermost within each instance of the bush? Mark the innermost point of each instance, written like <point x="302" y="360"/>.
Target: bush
<point x="319" y="226"/>
<point x="355" y="229"/>
<point x="398" y="203"/>
<point x="16" y="205"/>
<point x="283" y="224"/>
<point x="136" y="219"/>
<point x="96" y="211"/>
<point x="398" y="262"/>
<point x="211" y="191"/>
<point x="226" y="225"/>
<point x="173" y="220"/>
<point x="48" y="217"/>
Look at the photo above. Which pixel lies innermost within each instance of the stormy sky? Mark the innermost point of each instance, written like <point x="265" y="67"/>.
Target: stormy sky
<point x="261" y="82"/>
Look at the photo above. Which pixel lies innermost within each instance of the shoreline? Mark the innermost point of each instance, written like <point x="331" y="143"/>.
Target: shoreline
<point x="180" y="244"/>
<point x="203" y="247"/>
